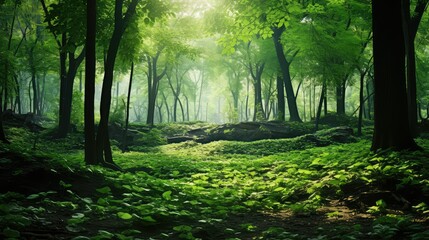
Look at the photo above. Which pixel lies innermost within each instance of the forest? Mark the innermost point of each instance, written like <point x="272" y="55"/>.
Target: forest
<point x="214" y="119"/>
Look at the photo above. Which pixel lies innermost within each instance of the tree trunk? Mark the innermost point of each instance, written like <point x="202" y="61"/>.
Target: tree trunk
<point x="187" y="108"/>
<point x="2" y="133"/>
<point x="410" y="25"/>
<point x="153" y="85"/>
<point x="285" y="68"/>
<point x="18" y="95"/>
<point x="341" y="105"/>
<point x="319" y="108"/>
<point x="280" y="99"/>
<point x="391" y="125"/>
<point x="64" y="121"/>
<point x="325" y="102"/>
<point x="361" y="101"/>
<point x="90" y="69"/>
<point x="258" y="113"/>
<point x="127" y="116"/>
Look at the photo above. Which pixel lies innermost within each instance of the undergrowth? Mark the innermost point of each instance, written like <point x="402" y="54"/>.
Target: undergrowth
<point x="217" y="190"/>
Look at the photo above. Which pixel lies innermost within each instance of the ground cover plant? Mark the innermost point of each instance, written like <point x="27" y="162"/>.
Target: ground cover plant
<point x="219" y="190"/>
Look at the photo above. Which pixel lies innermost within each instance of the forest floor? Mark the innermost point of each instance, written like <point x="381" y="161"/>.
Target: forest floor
<point x="219" y="190"/>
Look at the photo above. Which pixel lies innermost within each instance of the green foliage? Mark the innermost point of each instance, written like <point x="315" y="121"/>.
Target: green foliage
<point x="189" y="188"/>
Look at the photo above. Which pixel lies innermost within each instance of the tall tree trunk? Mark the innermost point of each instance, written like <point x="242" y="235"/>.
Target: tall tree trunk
<point x="325" y="101"/>
<point x="391" y="125"/>
<point x="319" y="108"/>
<point x="67" y="93"/>
<point x="18" y="95"/>
<point x="410" y="25"/>
<point x="304" y="104"/>
<point x="369" y="101"/>
<point x="34" y="86"/>
<point x="90" y="68"/>
<point x="187" y="108"/>
<point x="280" y="98"/>
<point x="2" y="133"/>
<point x="258" y="113"/>
<point x="166" y="106"/>
<point x="127" y="116"/>
<point x="285" y="68"/>
<point x="361" y="101"/>
<point x="199" y="98"/>
<point x="153" y="86"/>
<point x="341" y="104"/>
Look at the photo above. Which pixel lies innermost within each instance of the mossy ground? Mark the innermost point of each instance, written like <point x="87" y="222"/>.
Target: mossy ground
<point x="268" y="189"/>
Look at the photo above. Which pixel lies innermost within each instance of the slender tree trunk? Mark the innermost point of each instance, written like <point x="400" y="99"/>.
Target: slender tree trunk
<point x="199" y="98"/>
<point x="247" y="99"/>
<point x="127" y="116"/>
<point x="391" y="125"/>
<point x="18" y="95"/>
<point x="410" y="26"/>
<point x="2" y="133"/>
<point x="187" y="108"/>
<point x="341" y="106"/>
<point x="361" y="101"/>
<point x="34" y="88"/>
<point x="369" y="102"/>
<point x="280" y="98"/>
<point x="30" y="99"/>
<point x="319" y="108"/>
<point x="325" y="102"/>
<point x="166" y="106"/>
<point x="42" y="95"/>
<point x="304" y="104"/>
<point x="90" y="68"/>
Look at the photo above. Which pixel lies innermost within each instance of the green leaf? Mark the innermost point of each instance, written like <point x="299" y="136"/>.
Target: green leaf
<point x="279" y="189"/>
<point x="11" y="233"/>
<point x="124" y="215"/>
<point x="104" y="190"/>
<point x="78" y="215"/>
<point x="65" y="185"/>
<point x="167" y="195"/>
<point x="149" y="219"/>
<point x="183" y="228"/>
<point x="80" y="238"/>
<point x="33" y="196"/>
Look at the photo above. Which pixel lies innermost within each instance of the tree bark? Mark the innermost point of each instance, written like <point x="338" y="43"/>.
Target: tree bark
<point x="341" y="99"/>
<point x="127" y="116"/>
<point x="90" y="69"/>
<point x="410" y="25"/>
<point x="280" y="99"/>
<point x="391" y="123"/>
<point x="319" y="108"/>
<point x="67" y="93"/>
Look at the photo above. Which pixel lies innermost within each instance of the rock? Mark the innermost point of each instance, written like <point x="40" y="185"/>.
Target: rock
<point x="337" y="134"/>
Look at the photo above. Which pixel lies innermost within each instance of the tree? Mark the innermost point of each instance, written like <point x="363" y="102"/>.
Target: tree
<point x="90" y="67"/>
<point x="391" y="124"/>
<point x="69" y="25"/>
<point x="411" y="24"/>
<point x="103" y="149"/>
<point x="122" y="18"/>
